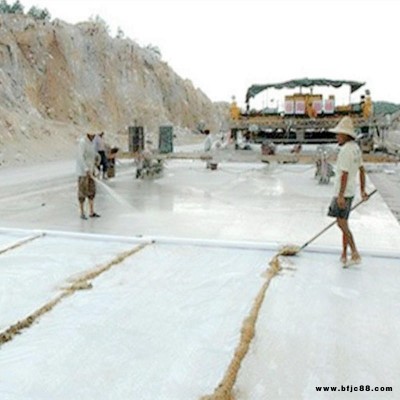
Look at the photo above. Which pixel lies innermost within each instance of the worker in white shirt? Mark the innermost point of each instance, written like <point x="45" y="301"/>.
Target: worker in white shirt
<point x="349" y="164"/>
<point x="85" y="165"/>
<point x="100" y="148"/>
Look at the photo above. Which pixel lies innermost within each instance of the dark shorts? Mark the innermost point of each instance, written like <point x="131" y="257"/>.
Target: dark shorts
<point x="336" y="212"/>
<point x="86" y="188"/>
<point x="103" y="160"/>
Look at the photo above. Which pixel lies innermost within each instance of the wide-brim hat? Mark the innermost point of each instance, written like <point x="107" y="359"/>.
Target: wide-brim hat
<point x="346" y="127"/>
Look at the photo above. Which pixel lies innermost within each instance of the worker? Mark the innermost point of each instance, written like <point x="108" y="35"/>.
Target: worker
<point x="207" y="141"/>
<point x="111" y="157"/>
<point x="100" y="148"/>
<point x="234" y="110"/>
<point x="85" y="165"/>
<point x="367" y="107"/>
<point x="207" y="147"/>
<point x="311" y="111"/>
<point x="349" y="162"/>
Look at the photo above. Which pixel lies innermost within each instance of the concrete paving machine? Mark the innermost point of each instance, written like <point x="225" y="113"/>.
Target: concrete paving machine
<point x="303" y="116"/>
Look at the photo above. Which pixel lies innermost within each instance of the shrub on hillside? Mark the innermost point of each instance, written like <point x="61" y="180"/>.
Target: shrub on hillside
<point x="39" y="14"/>
<point x="18" y="8"/>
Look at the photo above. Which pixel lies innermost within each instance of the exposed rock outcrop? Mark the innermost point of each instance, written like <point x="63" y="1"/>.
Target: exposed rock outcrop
<point x="58" y="80"/>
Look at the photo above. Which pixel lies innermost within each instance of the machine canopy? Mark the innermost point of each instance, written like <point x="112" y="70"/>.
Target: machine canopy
<point x="253" y="90"/>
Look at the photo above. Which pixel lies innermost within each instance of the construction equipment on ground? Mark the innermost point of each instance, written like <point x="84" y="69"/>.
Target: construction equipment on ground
<point x="148" y="166"/>
<point x="301" y="117"/>
<point x="324" y="169"/>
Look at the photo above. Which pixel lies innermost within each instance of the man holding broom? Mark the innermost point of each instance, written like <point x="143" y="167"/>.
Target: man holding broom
<point x="85" y="166"/>
<point x="349" y="163"/>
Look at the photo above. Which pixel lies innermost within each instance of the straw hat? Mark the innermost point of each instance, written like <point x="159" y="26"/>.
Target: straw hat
<point x="345" y="126"/>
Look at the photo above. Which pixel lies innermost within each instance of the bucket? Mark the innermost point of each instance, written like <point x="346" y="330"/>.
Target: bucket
<point x="213" y="166"/>
<point x="111" y="171"/>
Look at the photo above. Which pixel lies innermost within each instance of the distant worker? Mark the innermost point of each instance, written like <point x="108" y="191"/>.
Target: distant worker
<point x="207" y="141"/>
<point x="100" y="148"/>
<point x="362" y="102"/>
<point x="85" y="165"/>
<point x="367" y="105"/>
<point x="111" y="157"/>
<point x="311" y="111"/>
<point x="234" y="110"/>
<point x="207" y="147"/>
<point x="349" y="162"/>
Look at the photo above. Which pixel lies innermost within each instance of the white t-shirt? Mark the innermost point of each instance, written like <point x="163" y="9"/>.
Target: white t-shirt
<point x="349" y="160"/>
<point x="99" y="144"/>
<point x="86" y="156"/>
<point x="207" y="143"/>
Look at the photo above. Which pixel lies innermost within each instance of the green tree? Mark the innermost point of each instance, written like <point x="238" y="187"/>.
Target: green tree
<point x="100" y="22"/>
<point x="120" y="33"/>
<point x="39" y="14"/>
<point x="17" y="8"/>
<point x="385" y="107"/>
<point x="155" y="50"/>
<point x="4" y="7"/>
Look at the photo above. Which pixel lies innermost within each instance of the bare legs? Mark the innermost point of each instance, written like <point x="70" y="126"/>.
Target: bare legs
<point x="91" y="208"/>
<point x="81" y="203"/>
<point x="347" y="241"/>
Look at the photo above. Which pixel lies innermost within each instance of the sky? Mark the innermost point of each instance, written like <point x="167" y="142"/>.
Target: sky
<point x="225" y="46"/>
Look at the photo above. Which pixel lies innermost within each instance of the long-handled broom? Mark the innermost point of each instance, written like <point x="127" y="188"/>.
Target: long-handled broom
<point x="292" y="250"/>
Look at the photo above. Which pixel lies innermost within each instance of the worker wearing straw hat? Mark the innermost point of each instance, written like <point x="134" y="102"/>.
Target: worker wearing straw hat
<point x="349" y="163"/>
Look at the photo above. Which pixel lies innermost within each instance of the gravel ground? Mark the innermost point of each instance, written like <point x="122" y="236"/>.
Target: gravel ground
<point x="386" y="178"/>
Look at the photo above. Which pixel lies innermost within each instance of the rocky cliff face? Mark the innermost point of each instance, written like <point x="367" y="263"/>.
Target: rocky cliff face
<point x="58" y="80"/>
